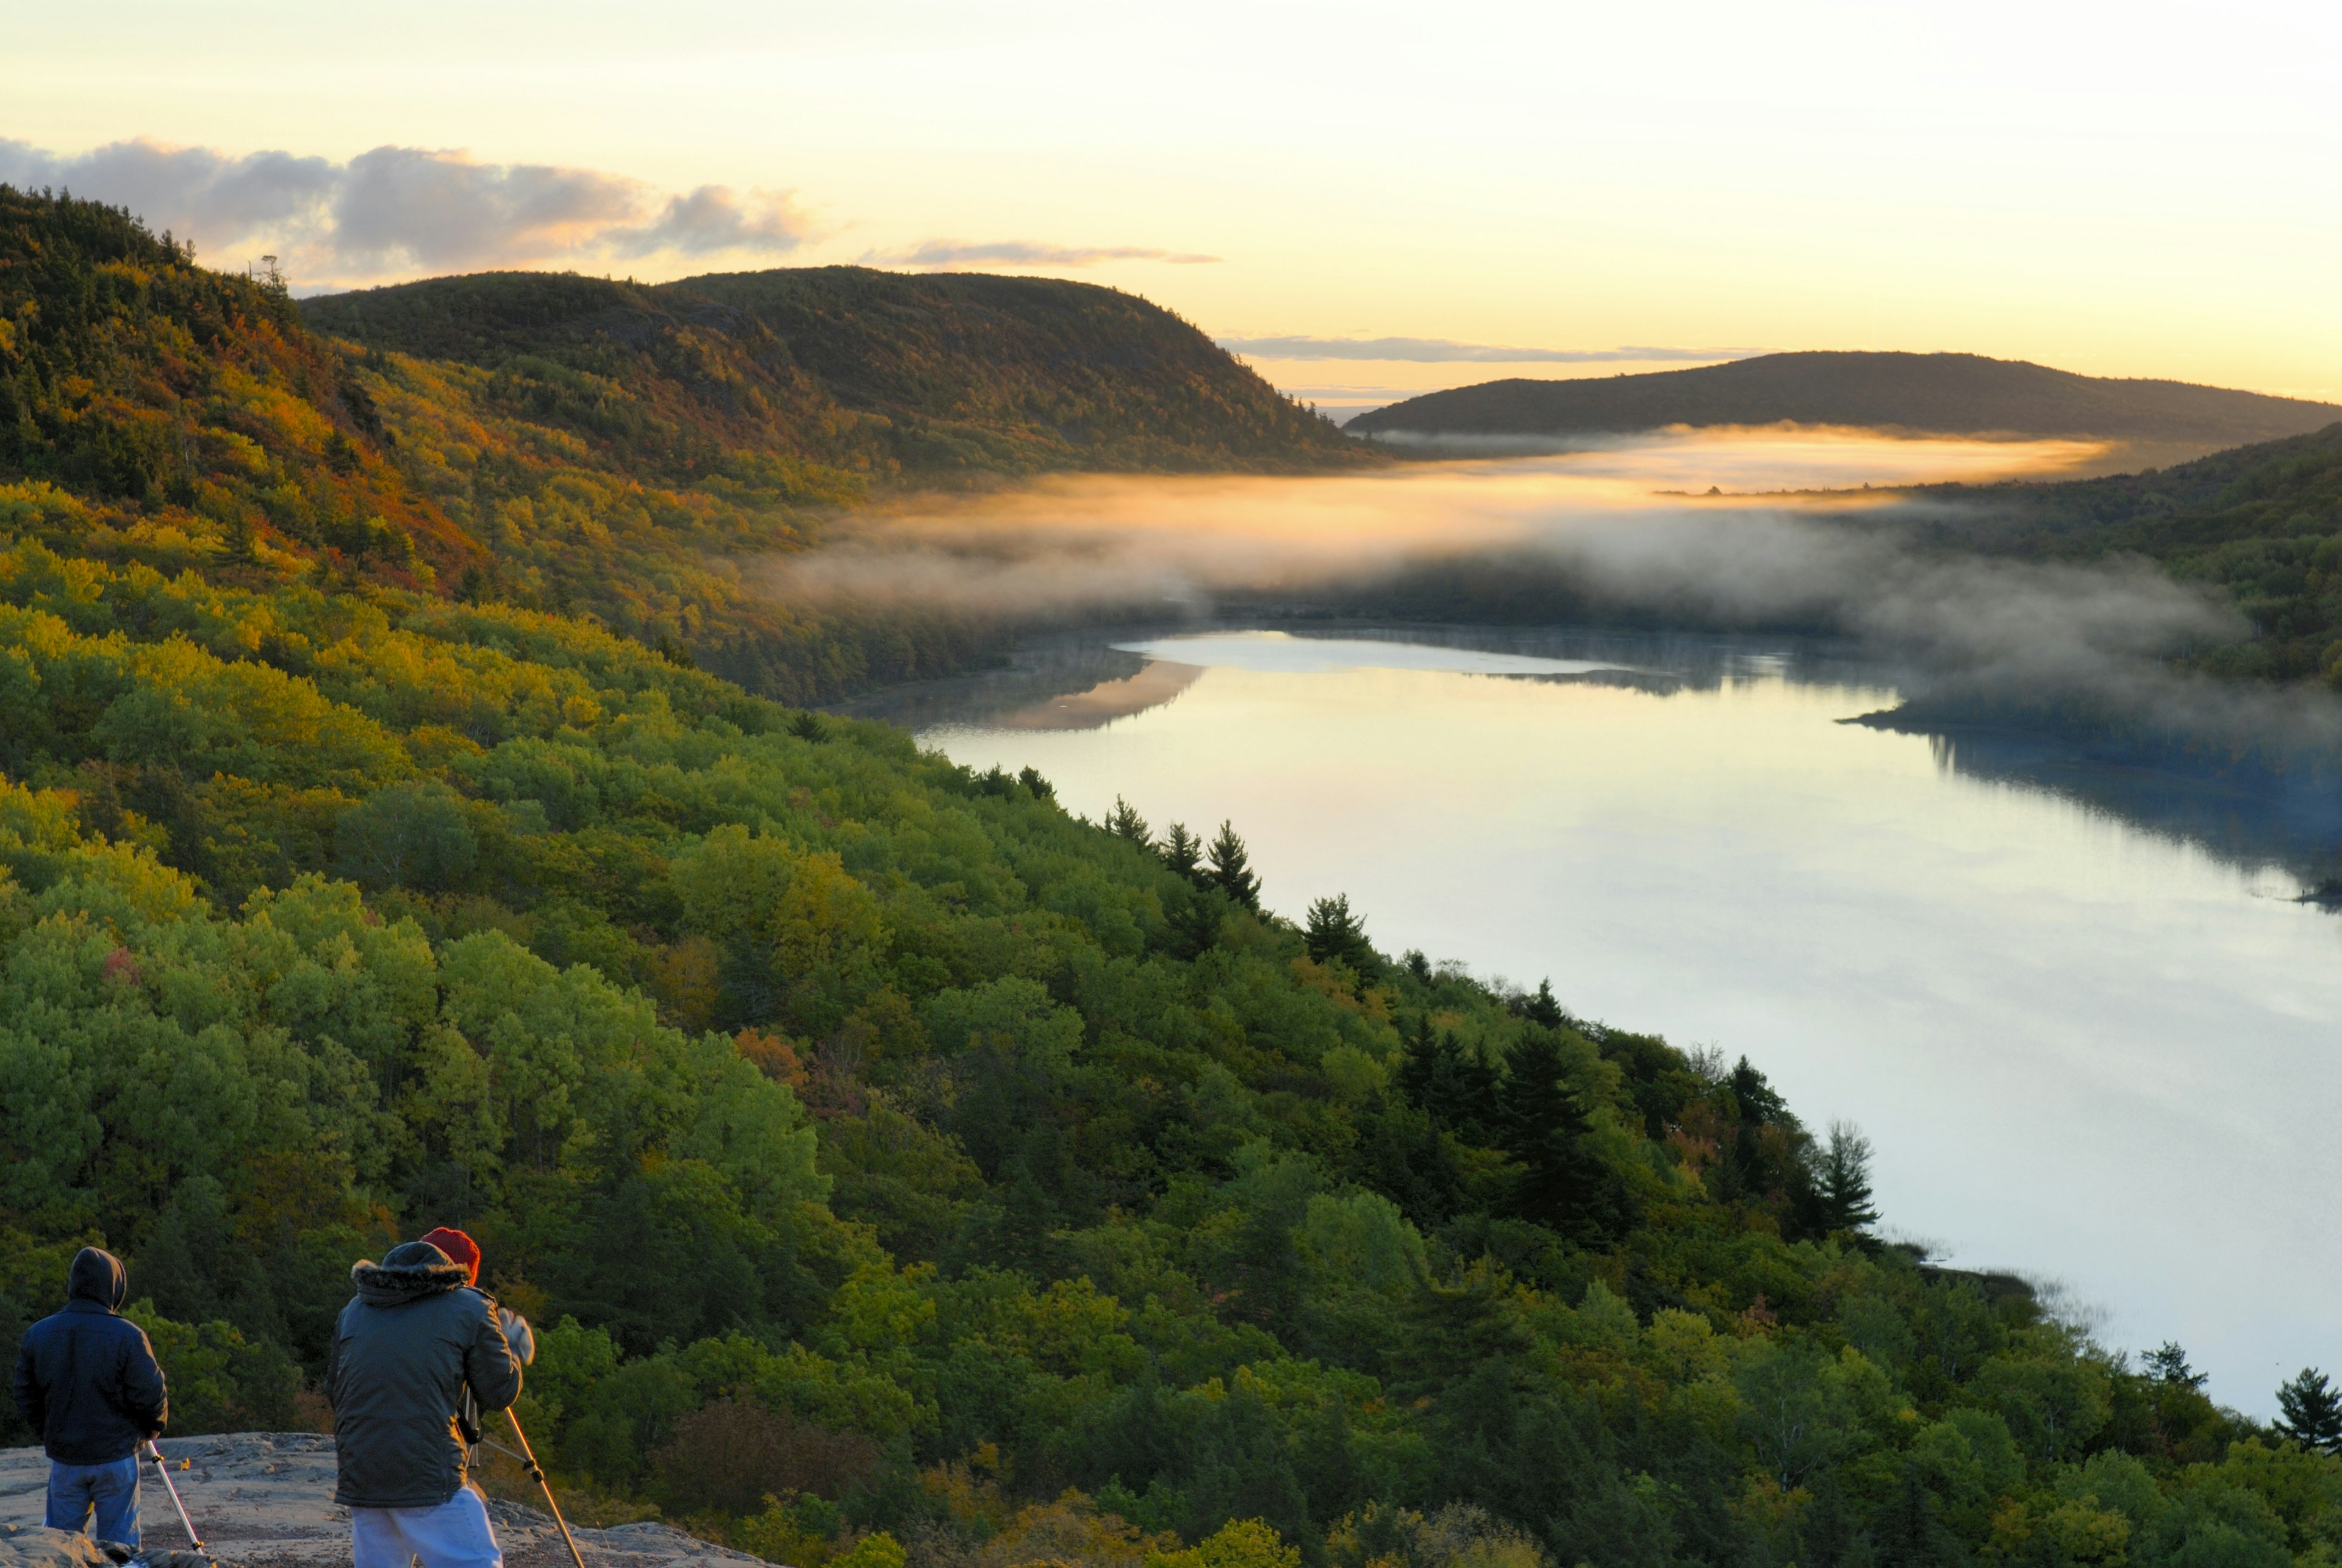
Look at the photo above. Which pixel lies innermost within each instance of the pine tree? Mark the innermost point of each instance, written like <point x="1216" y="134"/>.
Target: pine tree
<point x="1455" y="1087"/>
<point x="1128" y="825"/>
<point x="1183" y="852"/>
<point x="1754" y="1105"/>
<point x="1195" y="918"/>
<point x="2168" y="1362"/>
<point x="1542" y="1008"/>
<point x="1422" y="1071"/>
<point x="1564" y="1183"/>
<point x="1336" y="934"/>
<point x="1230" y="868"/>
<point x="1758" y="1101"/>
<point x="2312" y="1412"/>
<point x="1841" y="1180"/>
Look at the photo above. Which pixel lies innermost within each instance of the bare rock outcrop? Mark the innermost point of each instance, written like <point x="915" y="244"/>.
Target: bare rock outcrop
<point x="266" y="1500"/>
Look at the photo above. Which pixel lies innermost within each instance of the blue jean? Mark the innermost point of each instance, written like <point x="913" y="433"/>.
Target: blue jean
<point x="111" y="1489"/>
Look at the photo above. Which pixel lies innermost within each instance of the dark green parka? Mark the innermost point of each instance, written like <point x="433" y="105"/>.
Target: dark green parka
<point x="405" y="1353"/>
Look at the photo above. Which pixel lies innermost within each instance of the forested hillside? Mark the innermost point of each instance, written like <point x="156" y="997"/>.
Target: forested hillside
<point x="902" y="1172"/>
<point x="868" y="371"/>
<point x="897" y="1164"/>
<point x="1936" y="393"/>
<point x="573" y="444"/>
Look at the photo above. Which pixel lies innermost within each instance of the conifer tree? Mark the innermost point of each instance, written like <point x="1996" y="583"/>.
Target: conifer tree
<point x="1842" y="1181"/>
<point x="1564" y="1183"/>
<point x="1230" y="868"/>
<point x="1128" y="825"/>
<point x="1335" y="932"/>
<point x="2311" y="1410"/>
<point x="1194" y="921"/>
<point x="2168" y="1362"/>
<point x="1183" y="852"/>
<point x="1419" y="1065"/>
<point x="1457" y="1087"/>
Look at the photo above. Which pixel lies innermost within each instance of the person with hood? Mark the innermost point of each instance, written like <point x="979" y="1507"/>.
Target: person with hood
<point x="87" y="1382"/>
<point x="415" y="1357"/>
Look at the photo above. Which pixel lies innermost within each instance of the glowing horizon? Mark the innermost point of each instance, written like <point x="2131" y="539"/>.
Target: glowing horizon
<point x="2131" y="193"/>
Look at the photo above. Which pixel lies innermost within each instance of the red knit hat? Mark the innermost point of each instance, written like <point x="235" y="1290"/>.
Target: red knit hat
<point x="459" y="1248"/>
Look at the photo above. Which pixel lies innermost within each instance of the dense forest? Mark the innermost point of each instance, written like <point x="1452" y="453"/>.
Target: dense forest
<point x="576" y="445"/>
<point x="1936" y="393"/>
<point x="900" y="1164"/>
<point x="903" y="1171"/>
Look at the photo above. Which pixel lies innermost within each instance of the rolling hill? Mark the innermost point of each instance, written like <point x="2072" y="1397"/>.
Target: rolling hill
<point x="924" y="376"/>
<point x="1936" y="393"/>
<point x="569" y="445"/>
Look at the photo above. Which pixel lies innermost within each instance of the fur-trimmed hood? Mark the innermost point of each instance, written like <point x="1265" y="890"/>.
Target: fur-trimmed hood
<point x="407" y="1273"/>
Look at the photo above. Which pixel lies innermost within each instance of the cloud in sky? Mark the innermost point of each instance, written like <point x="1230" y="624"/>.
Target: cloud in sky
<point x="1442" y="351"/>
<point x="398" y="211"/>
<point x="938" y="255"/>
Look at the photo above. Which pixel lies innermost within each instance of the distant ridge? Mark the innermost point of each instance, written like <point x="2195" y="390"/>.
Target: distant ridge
<point x="1934" y="393"/>
<point x="922" y="376"/>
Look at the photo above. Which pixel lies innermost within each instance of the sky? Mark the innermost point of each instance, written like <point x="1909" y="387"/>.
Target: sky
<point x="2146" y="188"/>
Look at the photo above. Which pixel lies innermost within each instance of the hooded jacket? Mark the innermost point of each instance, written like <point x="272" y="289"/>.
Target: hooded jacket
<point x="87" y="1378"/>
<point x="406" y="1352"/>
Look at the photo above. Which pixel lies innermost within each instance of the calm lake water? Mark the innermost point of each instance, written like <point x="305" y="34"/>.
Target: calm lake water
<point x="2074" y="1004"/>
<point x="2086" y="1048"/>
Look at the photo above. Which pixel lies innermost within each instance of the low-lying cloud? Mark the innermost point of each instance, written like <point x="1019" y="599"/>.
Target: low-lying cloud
<point x="941" y="256"/>
<point x="1558" y="541"/>
<point x="1445" y="351"/>
<point x="396" y="211"/>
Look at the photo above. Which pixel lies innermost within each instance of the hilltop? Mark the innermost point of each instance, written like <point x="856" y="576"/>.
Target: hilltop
<point x="573" y="444"/>
<point x="1934" y="393"/>
<point x="926" y="376"/>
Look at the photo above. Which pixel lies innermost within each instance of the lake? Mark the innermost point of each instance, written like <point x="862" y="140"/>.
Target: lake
<point x="2076" y="1006"/>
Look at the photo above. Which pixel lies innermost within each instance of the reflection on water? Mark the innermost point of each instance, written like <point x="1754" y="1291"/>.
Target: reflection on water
<point x="2255" y="810"/>
<point x="2071" y="999"/>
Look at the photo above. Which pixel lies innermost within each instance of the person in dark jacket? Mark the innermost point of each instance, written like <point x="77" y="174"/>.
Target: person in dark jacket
<point x="417" y="1346"/>
<point x="87" y="1382"/>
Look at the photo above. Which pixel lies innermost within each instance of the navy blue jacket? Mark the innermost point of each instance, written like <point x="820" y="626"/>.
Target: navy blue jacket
<point x="87" y="1379"/>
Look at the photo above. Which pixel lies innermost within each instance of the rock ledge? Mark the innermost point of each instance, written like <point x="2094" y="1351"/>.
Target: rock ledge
<point x="266" y="1500"/>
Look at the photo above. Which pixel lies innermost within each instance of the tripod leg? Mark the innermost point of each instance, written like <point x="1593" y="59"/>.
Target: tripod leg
<point x="163" y="1470"/>
<point x="536" y="1474"/>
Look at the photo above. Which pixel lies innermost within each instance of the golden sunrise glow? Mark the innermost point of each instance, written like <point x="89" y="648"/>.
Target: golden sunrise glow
<point x="2138" y="191"/>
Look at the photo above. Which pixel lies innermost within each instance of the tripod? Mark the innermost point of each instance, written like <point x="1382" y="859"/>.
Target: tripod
<point x="163" y="1471"/>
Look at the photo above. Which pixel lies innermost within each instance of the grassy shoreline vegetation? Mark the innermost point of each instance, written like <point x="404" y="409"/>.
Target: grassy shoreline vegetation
<point x="903" y="1171"/>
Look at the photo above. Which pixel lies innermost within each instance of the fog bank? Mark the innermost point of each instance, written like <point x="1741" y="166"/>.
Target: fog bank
<point x="1586" y="536"/>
